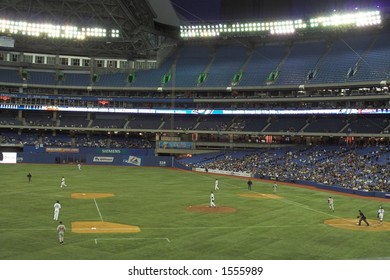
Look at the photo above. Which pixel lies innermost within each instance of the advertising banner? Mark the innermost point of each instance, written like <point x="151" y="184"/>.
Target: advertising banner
<point x="133" y="160"/>
<point x="7" y="157"/>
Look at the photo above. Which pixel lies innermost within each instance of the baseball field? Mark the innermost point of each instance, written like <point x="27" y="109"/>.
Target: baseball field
<point x="140" y="213"/>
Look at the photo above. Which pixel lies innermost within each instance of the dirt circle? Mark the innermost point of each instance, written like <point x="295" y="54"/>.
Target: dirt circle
<point x="207" y="209"/>
<point x="352" y="224"/>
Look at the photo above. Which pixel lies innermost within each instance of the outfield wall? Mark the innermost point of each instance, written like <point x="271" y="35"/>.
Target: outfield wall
<point x="93" y="156"/>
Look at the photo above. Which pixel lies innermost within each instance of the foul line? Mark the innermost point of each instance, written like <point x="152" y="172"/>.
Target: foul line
<point x="151" y="238"/>
<point x="97" y="207"/>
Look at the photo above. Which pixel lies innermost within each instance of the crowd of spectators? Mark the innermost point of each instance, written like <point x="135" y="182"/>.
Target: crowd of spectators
<point x="16" y="139"/>
<point x="74" y="141"/>
<point x="363" y="168"/>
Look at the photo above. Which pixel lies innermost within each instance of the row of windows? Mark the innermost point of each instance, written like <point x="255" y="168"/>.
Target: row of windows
<point x="76" y="61"/>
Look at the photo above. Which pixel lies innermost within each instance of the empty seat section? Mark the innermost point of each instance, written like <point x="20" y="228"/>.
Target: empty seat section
<point x="10" y="76"/>
<point x="109" y="121"/>
<point x="152" y="77"/>
<point x="38" y="118"/>
<point x="302" y="59"/>
<point x="327" y="124"/>
<point x="265" y="59"/>
<point x="9" y="117"/>
<point x="144" y="121"/>
<point x="112" y="80"/>
<point x="255" y="123"/>
<point x="73" y="119"/>
<point x="191" y="62"/>
<point x="179" y="122"/>
<point x="227" y="62"/>
<point x="366" y="124"/>
<point x="286" y="124"/>
<point x="41" y="78"/>
<point x="376" y="63"/>
<point x="215" y="123"/>
<point x="76" y="79"/>
<point x="343" y="55"/>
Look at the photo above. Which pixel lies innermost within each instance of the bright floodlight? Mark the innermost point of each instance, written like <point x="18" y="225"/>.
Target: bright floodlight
<point x="54" y="31"/>
<point x="354" y="19"/>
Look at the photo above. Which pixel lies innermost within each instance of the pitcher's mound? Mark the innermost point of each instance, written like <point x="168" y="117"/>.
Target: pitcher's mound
<point x="218" y="209"/>
<point x="352" y="224"/>
<point x="103" y="227"/>
<point x="260" y="195"/>
<point x="90" y="195"/>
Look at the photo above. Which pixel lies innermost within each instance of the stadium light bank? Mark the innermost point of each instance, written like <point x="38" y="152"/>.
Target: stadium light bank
<point x="48" y="30"/>
<point x="354" y="19"/>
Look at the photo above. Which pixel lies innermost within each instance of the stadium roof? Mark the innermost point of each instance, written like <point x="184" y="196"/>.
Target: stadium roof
<point x="145" y="26"/>
<point x="216" y="10"/>
<point x="141" y="31"/>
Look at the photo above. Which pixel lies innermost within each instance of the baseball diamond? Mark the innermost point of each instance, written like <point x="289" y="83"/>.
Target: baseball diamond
<point x="128" y="219"/>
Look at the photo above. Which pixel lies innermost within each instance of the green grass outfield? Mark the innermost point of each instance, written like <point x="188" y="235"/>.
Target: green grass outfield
<point x="156" y="200"/>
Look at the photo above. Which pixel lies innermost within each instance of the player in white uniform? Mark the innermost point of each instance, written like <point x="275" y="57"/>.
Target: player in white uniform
<point x="79" y="166"/>
<point x="381" y="213"/>
<point x="212" y="204"/>
<point x="61" y="232"/>
<point x="57" y="207"/>
<point x="63" y="182"/>
<point x="216" y="187"/>
<point x="275" y="187"/>
<point x="331" y="203"/>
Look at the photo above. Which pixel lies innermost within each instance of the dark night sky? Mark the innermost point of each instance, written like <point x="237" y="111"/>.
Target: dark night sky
<point x="215" y="10"/>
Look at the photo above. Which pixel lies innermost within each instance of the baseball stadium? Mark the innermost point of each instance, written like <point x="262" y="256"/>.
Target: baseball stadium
<point x="194" y="130"/>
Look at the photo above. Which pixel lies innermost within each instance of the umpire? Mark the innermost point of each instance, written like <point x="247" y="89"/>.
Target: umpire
<point x="363" y="218"/>
<point x="250" y="185"/>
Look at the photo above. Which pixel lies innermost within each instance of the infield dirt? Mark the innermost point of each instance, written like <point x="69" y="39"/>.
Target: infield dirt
<point x="90" y="195"/>
<point x="260" y="195"/>
<point x="103" y="227"/>
<point x="204" y="208"/>
<point x="352" y="224"/>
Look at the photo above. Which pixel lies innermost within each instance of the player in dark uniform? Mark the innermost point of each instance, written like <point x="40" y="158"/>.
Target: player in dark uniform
<point x="29" y="176"/>
<point x="363" y="218"/>
<point x="249" y="185"/>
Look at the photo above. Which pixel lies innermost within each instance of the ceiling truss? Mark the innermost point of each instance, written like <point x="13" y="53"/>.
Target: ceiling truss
<point x="133" y="18"/>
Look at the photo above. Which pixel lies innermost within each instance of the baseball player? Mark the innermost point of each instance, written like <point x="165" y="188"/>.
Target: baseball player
<point x="212" y="204"/>
<point x="331" y="203"/>
<point x="57" y="207"/>
<point x="63" y="182"/>
<point x="249" y="185"/>
<point x="216" y="187"/>
<point x="275" y="187"/>
<point x="381" y="213"/>
<point x="29" y="177"/>
<point x="363" y="218"/>
<point x="79" y="166"/>
<point x="61" y="232"/>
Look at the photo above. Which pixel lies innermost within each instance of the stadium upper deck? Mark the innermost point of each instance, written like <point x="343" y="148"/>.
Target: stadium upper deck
<point x="343" y="71"/>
